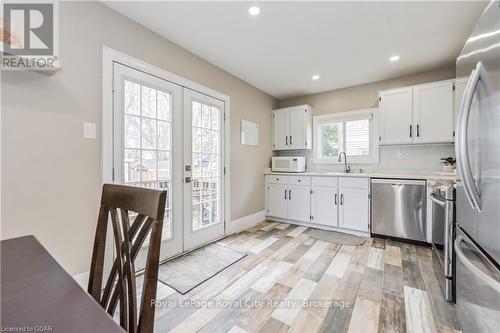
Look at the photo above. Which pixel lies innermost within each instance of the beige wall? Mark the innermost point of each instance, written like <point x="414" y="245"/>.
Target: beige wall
<point x="51" y="176"/>
<point x="365" y="95"/>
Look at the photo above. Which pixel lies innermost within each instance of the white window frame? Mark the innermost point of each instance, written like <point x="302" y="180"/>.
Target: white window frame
<point x="371" y="114"/>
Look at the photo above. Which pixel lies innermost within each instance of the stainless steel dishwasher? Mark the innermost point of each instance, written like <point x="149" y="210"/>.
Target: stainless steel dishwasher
<point x="398" y="208"/>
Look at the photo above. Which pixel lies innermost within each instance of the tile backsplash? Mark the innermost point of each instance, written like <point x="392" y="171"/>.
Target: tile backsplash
<point x="390" y="158"/>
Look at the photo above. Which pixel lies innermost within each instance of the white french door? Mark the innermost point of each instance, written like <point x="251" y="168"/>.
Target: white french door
<point x="145" y="111"/>
<point x="204" y="169"/>
<point x="161" y="131"/>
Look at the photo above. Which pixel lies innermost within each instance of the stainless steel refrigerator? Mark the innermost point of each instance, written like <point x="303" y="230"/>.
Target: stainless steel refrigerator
<point x="477" y="144"/>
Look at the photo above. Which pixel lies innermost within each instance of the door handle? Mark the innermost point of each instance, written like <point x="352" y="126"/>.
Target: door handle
<point x="342" y="198"/>
<point x="461" y="150"/>
<point x="410" y="131"/>
<point x="335" y="200"/>
<point x="290" y="140"/>
<point x="289" y="194"/>
<point x="285" y="194"/>
<point x="286" y="140"/>
<point x="418" y="130"/>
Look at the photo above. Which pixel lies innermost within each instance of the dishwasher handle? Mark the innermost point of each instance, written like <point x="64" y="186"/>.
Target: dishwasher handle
<point x="398" y="181"/>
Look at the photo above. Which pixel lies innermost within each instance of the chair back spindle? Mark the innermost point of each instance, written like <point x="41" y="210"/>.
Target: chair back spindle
<point x="117" y="202"/>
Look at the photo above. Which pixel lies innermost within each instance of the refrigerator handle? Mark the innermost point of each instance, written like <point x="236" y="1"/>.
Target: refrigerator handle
<point x="467" y="263"/>
<point x="461" y="150"/>
<point x="436" y="200"/>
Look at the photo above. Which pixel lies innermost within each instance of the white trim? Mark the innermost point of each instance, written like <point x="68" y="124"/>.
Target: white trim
<point x="109" y="56"/>
<point x="246" y="222"/>
<point x="371" y="114"/>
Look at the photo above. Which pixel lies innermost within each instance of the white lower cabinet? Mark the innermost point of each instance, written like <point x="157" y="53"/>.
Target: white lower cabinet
<point x="336" y="202"/>
<point x="354" y="209"/>
<point x="288" y="201"/>
<point x="324" y="205"/>
<point x="277" y="204"/>
<point x="299" y="198"/>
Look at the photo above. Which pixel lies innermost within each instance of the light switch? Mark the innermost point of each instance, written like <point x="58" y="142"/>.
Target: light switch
<point x="89" y="131"/>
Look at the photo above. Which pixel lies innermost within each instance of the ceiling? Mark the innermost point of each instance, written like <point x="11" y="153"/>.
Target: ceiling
<point x="346" y="43"/>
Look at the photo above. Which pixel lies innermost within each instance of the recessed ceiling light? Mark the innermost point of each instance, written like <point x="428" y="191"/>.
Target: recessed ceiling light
<point x="315" y="77"/>
<point x="394" y="58"/>
<point x="254" y="11"/>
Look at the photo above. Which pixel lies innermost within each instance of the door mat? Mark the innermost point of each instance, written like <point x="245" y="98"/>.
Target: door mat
<point x="192" y="269"/>
<point x="337" y="237"/>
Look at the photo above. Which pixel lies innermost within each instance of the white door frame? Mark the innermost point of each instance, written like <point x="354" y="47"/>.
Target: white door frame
<point x="110" y="56"/>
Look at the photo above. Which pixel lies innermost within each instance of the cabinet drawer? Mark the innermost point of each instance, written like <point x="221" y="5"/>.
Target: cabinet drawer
<point x="354" y="182"/>
<point x="324" y="181"/>
<point x="277" y="179"/>
<point x="299" y="180"/>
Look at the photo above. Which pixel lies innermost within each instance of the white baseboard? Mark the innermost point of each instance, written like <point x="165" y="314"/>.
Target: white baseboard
<point x="246" y="222"/>
<point x="82" y="279"/>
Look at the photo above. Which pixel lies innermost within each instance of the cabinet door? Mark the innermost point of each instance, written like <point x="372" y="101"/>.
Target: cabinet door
<point x="299" y="203"/>
<point x="457" y="97"/>
<point x="277" y="204"/>
<point x="433" y="112"/>
<point x="281" y="124"/>
<point x="324" y="206"/>
<point x="298" y="128"/>
<point x="353" y="209"/>
<point x="396" y="116"/>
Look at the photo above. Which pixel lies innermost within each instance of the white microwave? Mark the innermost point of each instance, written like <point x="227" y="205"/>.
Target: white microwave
<point x="288" y="164"/>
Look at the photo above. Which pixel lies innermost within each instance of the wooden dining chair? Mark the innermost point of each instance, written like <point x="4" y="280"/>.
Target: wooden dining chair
<point x="117" y="202"/>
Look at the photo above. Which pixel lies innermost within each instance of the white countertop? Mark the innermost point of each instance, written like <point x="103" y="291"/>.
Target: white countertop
<point x="394" y="174"/>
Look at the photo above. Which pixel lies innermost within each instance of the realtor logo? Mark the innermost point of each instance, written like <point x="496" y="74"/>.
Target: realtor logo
<point x="29" y="32"/>
<point x="34" y="28"/>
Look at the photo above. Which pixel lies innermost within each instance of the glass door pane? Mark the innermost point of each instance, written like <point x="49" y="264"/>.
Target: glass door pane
<point x="204" y="157"/>
<point x="147" y="135"/>
<point x="145" y="110"/>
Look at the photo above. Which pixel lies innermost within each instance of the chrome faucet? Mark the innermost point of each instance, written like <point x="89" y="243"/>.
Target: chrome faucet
<point x="346" y="167"/>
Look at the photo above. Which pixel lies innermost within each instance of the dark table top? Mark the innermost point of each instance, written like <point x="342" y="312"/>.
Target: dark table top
<point x="37" y="294"/>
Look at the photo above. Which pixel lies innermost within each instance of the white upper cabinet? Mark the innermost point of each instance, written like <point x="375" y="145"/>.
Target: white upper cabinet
<point x="417" y="114"/>
<point x="292" y="128"/>
<point x="395" y="116"/>
<point x="281" y="121"/>
<point x="460" y="84"/>
<point x="433" y="112"/>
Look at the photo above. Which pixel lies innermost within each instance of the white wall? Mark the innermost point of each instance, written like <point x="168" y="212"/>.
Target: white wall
<point x="51" y="176"/>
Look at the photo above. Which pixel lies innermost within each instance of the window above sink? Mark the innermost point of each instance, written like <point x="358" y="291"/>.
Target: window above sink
<point x="353" y="132"/>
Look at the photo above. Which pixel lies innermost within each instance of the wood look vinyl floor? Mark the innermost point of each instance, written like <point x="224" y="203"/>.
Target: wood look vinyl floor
<point x="291" y="282"/>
